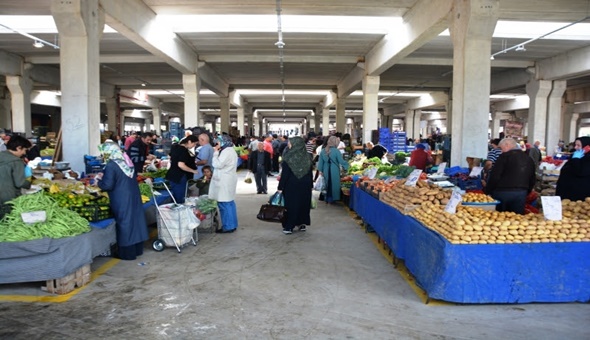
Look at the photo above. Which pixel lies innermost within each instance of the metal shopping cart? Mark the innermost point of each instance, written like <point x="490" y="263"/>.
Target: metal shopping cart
<point x="177" y="224"/>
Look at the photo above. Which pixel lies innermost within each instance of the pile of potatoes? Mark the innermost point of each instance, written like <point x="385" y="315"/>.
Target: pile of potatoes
<point x="403" y="195"/>
<point x="477" y="226"/>
<point x="576" y="209"/>
<point x="475" y="197"/>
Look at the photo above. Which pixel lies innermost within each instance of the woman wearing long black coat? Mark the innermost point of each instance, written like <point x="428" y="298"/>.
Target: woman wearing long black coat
<point x="296" y="185"/>
<point x="574" y="177"/>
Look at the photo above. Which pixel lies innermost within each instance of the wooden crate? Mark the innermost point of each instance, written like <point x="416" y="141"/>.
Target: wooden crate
<point x="69" y="282"/>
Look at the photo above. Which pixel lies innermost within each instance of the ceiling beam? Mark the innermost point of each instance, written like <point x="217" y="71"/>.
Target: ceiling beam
<point x="137" y="22"/>
<point x="420" y="24"/>
<point x="510" y="80"/>
<point x="571" y="64"/>
<point x="352" y="81"/>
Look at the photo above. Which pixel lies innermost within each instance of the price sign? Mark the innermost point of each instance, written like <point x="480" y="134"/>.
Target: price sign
<point x="476" y="171"/>
<point x="413" y="178"/>
<point x="441" y="168"/>
<point x="456" y="198"/>
<point x="552" y="207"/>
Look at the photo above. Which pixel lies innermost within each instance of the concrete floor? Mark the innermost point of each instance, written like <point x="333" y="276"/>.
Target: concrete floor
<point x="330" y="282"/>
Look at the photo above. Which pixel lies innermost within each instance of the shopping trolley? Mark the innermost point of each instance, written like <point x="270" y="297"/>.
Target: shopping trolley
<point x="177" y="224"/>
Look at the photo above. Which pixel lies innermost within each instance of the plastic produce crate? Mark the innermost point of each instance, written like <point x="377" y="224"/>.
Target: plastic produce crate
<point x="94" y="212"/>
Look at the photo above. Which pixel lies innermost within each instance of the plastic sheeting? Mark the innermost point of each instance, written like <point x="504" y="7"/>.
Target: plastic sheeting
<point x="508" y="273"/>
<point x="48" y="259"/>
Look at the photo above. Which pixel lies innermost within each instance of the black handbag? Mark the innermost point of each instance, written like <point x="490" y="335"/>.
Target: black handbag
<point x="272" y="213"/>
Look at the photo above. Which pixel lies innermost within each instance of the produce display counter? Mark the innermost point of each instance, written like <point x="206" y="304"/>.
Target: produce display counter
<point x="47" y="259"/>
<point x="488" y="273"/>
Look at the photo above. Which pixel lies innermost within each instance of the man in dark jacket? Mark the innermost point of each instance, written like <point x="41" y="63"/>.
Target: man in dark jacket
<point x="139" y="150"/>
<point x="511" y="178"/>
<point x="276" y="144"/>
<point x="259" y="163"/>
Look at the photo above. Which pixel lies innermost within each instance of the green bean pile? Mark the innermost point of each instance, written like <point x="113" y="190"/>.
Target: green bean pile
<point x="60" y="222"/>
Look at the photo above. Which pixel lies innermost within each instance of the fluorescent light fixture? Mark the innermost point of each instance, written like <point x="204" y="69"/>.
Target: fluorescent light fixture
<point x="520" y="48"/>
<point x="38" y="44"/>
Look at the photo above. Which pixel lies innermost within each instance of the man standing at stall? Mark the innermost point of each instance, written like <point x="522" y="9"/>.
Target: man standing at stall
<point x="139" y="152"/>
<point x="205" y="154"/>
<point x="512" y="177"/>
<point x="259" y="163"/>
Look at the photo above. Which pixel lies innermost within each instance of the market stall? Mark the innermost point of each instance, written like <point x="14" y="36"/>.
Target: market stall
<point x="48" y="258"/>
<point x="474" y="273"/>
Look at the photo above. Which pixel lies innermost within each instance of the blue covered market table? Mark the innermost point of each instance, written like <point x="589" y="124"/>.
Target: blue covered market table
<point x="487" y="273"/>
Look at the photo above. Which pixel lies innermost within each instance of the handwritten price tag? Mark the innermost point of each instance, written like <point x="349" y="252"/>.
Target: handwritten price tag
<point x="441" y="168"/>
<point x="456" y="198"/>
<point x="552" y="207"/>
<point x="413" y="178"/>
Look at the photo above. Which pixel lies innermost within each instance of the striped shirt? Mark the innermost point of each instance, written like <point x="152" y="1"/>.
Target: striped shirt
<point x="494" y="154"/>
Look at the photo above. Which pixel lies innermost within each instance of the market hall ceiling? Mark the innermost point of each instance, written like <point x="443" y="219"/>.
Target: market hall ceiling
<point x="247" y="60"/>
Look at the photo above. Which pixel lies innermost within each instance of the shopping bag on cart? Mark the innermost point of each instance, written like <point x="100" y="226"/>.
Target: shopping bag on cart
<point x="176" y="224"/>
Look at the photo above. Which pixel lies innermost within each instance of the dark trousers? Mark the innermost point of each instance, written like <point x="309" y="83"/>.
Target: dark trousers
<point x="260" y="179"/>
<point x="178" y="189"/>
<point x="511" y="200"/>
<point x="275" y="162"/>
<point x="131" y="252"/>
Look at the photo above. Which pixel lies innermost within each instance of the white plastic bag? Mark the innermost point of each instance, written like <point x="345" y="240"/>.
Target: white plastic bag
<point x="319" y="183"/>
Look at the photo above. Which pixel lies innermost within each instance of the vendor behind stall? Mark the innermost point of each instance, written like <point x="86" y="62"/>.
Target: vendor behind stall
<point x="139" y="151"/>
<point x="574" y="178"/>
<point x="182" y="167"/>
<point x="119" y="182"/>
<point x="12" y="168"/>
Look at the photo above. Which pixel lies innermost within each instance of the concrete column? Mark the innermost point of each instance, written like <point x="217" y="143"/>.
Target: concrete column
<point x="566" y="118"/>
<point x="147" y="125"/>
<point x="538" y="91"/>
<point x="263" y="127"/>
<point x="554" y="113"/>
<point x="449" y="109"/>
<point x="256" y="126"/>
<point x="80" y="24"/>
<point x="241" y="127"/>
<point x="5" y="114"/>
<point x="250" y="121"/>
<point x="192" y="86"/>
<point x="316" y="119"/>
<point x="496" y="117"/>
<point x="307" y="123"/>
<point x="224" y="113"/>
<point x="20" y="90"/>
<point x="325" y="121"/>
<point x="573" y="128"/>
<point x="341" y="115"/>
<point x="122" y="123"/>
<point x="112" y="110"/>
<point x="472" y="25"/>
<point x="157" y="116"/>
<point x="417" y="118"/>
<point x="409" y="124"/>
<point x="370" y="105"/>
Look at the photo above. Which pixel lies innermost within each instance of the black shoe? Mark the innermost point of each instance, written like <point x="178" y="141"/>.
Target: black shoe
<point x="264" y="192"/>
<point x="287" y="231"/>
<point x="260" y="192"/>
<point x="302" y="227"/>
<point x="221" y="231"/>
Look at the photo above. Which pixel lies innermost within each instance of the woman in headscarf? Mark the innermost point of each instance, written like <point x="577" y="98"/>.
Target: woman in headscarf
<point x="574" y="178"/>
<point x="182" y="167"/>
<point x="224" y="182"/>
<point x="296" y="185"/>
<point x="118" y="181"/>
<point x="329" y="167"/>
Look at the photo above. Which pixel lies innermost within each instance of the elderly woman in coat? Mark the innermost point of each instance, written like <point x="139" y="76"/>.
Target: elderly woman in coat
<point x="119" y="182"/>
<point x="224" y="182"/>
<point x="329" y="164"/>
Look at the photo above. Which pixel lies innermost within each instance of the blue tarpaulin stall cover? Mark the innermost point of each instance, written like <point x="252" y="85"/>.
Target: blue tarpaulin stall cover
<point x="487" y="273"/>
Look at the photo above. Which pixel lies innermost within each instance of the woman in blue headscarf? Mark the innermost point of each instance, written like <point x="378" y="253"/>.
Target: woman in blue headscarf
<point x="224" y="182"/>
<point x="118" y="181"/>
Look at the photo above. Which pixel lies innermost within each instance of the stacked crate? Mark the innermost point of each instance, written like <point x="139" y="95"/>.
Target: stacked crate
<point x="398" y="142"/>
